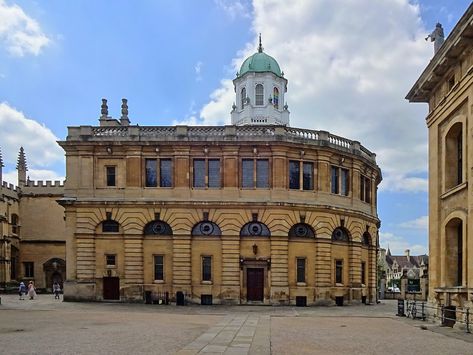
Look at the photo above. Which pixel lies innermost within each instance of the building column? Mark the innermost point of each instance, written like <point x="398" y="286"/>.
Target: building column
<point x="181" y="264"/>
<point x="133" y="247"/>
<point x="323" y="270"/>
<point x="230" y="269"/>
<point x="279" y="270"/>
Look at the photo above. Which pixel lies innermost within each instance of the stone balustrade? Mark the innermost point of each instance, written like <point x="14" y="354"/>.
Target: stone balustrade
<point x="215" y="133"/>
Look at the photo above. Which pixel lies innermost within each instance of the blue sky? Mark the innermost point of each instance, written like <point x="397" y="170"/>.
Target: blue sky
<point x="349" y="66"/>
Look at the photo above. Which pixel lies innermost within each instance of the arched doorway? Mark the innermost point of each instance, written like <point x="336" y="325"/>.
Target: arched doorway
<point x="54" y="271"/>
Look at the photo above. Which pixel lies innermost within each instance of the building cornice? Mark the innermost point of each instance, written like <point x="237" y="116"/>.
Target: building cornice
<point x="86" y="135"/>
<point x="460" y="38"/>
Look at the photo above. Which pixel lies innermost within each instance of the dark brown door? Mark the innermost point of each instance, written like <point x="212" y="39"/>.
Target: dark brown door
<point x="111" y="288"/>
<point x="255" y="284"/>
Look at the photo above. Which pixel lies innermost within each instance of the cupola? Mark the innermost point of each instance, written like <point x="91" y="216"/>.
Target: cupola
<point x="260" y="87"/>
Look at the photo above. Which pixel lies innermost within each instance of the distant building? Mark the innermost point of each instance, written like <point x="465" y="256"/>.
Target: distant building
<point x="447" y="86"/>
<point x="32" y="230"/>
<point x="395" y="266"/>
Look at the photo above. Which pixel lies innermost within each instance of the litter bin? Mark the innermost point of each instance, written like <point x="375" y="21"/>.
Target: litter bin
<point x="339" y="301"/>
<point x="180" y="300"/>
<point x="363" y="299"/>
<point x="148" y="298"/>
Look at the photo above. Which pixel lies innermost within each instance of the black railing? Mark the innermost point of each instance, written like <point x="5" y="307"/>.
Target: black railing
<point x="446" y="315"/>
<point x="152" y="297"/>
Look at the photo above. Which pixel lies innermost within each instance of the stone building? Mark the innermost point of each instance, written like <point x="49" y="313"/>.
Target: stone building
<point x="257" y="211"/>
<point x="395" y="266"/>
<point x="447" y="86"/>
<point x="32" y="230"/>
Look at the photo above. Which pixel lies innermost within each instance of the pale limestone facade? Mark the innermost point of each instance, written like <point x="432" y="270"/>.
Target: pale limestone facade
<point x="447" y="86"/>
<point x="268" y="255"/>
<point x="32" y="228"/>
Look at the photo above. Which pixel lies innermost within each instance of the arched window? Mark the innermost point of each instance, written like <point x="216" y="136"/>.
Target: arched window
<point x="243" y="98"/>
<point x="255" y="229"/>
<point x="340" y="234"/>
<point x="110" y="226"/>
<point x="259" y="95"/>
<point x="206" y="228"/>
<point x="301" y="230"/>
<point x="454" y="252"/>
<point x="366" y="239"/>
<point x="276" y="98"/>
<point x="157" y="227"/>
<point x="14" y="223"/>
<point x="454" y="156"/>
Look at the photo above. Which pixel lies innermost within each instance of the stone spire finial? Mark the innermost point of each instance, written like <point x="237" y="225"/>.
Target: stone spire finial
<point x="104" y="109"/>
<point x="1" y="166"/>
<point x="260" y="47"/>
<point x="21" y="167"/>
<point x="124" y="120"/>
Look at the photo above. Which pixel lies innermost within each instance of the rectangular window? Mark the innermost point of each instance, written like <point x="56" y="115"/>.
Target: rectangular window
<point x="365" y="189"/>
<point x="159" y="267"/>
<point x="334" y="180"/>
<point x="247" y="174"/>
<point x="300" y="269"/>
<point x="363" y="273"/>
<point x="259" y="95"/>
<point x="339" y="271"/>
<point x="199" y="172"/>
<point x="165" y="172"/>
<point x="294" y="174"/>
<point x="110" y="176"/>
<point x="262" y="173"/>
<point x="207" y="173"/>
<point x="214" y="173"/>
<point x="29" y="269"/>
<point x="110" y="259"/>
<point x="344" y="181"/>
<point x="206" y="268"/>
<point x="151" y="173"/>
<point x="255" y="173"/>
<point x="307" y="176"/>
<point x="340" y="181"/>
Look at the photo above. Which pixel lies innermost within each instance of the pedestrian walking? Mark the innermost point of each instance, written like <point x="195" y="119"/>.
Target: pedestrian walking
<point x="22" y="290"/>
<point x="56" y="290"/>
<point x="31" y="290"/>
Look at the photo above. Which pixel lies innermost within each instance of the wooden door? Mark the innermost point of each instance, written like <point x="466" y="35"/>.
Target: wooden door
<point x="255" y="284"/>
<point x="111" y="288"/>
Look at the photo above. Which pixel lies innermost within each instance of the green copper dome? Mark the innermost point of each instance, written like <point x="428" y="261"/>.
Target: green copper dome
<point x="260" y="62"/>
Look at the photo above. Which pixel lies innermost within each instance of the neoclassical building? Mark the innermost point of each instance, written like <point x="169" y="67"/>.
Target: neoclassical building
<point x="253" y="212"/>
<point x="447" y="86"/>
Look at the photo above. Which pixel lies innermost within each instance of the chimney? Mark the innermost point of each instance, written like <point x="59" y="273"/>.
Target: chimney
<point x="407" y="253"/>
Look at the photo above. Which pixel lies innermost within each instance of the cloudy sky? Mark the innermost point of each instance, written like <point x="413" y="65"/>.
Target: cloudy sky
<point x="349" y="66"/>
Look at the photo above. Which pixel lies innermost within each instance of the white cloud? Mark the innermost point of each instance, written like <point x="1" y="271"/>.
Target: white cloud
<point x="198" y="70"/>
<point x="20" y="33"/>
<point x="418" y="223"/>
<point x="235" y="8"/>
<point x="33" y="174"/>
<point x="38" y="141"/>
<point x="398" y="244"/>
<point x="349" y="66"/>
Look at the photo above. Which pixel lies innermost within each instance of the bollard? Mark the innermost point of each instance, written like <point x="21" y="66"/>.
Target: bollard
<point x="423" y="311"/>
<point x="468" y="320"/>
<point x="400" y="308"/>
<point x="442" y="315"/>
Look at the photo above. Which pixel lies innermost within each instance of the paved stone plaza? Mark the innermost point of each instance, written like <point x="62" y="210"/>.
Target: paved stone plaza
<point x="46" y="326"/>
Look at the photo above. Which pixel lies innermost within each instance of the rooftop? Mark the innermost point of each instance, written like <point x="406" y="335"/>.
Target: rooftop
<point x="229" y="133"/>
